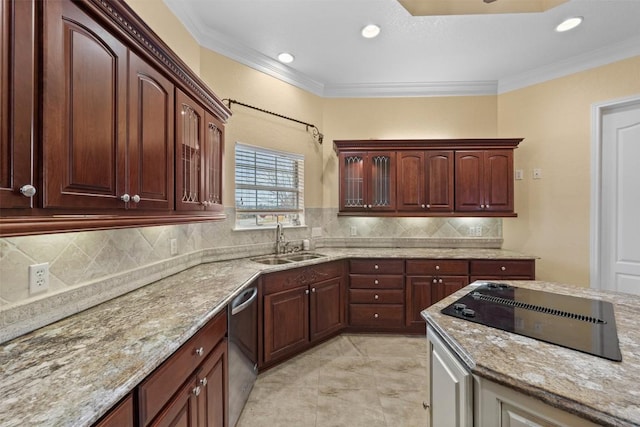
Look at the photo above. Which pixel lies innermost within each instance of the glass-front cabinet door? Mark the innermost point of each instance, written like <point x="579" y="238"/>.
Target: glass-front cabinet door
<point x="367" y="181"/>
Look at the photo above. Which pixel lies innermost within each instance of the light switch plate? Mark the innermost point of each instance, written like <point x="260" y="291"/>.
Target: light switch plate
<point x="519" y="174"/>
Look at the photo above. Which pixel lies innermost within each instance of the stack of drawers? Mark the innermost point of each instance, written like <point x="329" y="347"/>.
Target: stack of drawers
<point x="376" y="293"/>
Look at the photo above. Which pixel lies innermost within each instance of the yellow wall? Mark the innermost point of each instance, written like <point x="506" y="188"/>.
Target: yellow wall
<point x="555" y="119"/>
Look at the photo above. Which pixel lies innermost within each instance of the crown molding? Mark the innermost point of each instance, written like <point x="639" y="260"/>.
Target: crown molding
<point x="575" y="64"/>
<point x="413" y="89"/>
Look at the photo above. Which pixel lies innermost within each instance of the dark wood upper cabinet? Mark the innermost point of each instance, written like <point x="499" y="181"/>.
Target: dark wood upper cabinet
<point x="88" y="119"/>
<point x="425" y="181"/>
<point x="84" y="118"/>
<point x="484" y="181"/>
<point x="151" y="146"/>
<point x="434" y="177"/>
<point x="199" y="148"/>
<point x="17" y="103"/>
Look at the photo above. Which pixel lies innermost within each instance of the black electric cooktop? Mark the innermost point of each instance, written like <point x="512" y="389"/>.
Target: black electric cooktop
<point x="580" y="324"/>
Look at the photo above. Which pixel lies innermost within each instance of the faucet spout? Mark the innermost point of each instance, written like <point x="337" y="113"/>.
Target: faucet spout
<point x="279" y="239"/>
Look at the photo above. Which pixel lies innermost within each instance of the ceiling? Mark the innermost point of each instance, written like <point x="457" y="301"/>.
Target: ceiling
<point x="413" y="55"/>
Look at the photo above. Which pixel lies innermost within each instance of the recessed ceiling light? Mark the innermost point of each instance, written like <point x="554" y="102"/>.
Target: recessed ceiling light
<point x="370" y="31"/>
<point x="285" y="58"/>
<point x="569" y="24"/>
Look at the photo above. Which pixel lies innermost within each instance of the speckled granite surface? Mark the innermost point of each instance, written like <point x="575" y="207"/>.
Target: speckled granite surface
<point x="72" y="371"/>
<point x="600" y="390"/>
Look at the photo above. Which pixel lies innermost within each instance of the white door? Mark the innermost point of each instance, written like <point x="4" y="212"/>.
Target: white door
<point x="619" y="225"/>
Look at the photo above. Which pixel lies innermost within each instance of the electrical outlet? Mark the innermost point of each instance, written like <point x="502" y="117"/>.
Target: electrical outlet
<point x="353" y="230"/>
<point x="173" y="247"/>
<point x="38" y="278"/>
<point x="475" y="231"/>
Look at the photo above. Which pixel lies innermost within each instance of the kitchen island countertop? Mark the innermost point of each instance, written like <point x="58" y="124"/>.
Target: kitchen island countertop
<point x="600" y="390"/>
<point x="73" y="371"/>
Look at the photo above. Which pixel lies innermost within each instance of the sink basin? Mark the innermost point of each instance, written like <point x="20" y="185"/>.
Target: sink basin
<point x="303" y="257"/>
<point x="271" y="260"/>
<point x="285" y="259"/>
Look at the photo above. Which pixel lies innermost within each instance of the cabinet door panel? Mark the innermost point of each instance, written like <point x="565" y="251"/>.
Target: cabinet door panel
<point x="120" y="416"/>
<point x="182" y="411"/>
<point x="84" y="141"/>
<point x="469" y="180"/>
<point x="352" y="181"/>
<point x="445" y="286"/>
<point x="286" y="322"/>
<point x="212" y="380"/>
<point x="213" y="153"/>
<point x="498" y="184"/>
<point x="189" y="133"/>
<point x="382" y="181"/>
<point x="418" y="297"/>
<point x="327" y="313"/>
<point x="151" y="136"/>
<point x="411" y="181"/>
<point x="439" y="181"/>
<point x="17" y="62"/>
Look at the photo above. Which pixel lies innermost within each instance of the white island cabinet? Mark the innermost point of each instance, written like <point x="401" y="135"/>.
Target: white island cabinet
<point x="458" y="398"/>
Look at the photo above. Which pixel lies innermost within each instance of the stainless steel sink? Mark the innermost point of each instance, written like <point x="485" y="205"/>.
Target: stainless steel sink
<point x="286" y="259"/>
<point x="271" y="260"/>
<point x="303" y="257"/>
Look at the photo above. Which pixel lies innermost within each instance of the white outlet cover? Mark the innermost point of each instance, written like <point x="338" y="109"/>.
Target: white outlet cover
<point x="38" y="278"/>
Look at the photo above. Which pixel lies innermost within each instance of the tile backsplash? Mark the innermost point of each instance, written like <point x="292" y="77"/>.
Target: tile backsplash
<point x="87" y="268"/>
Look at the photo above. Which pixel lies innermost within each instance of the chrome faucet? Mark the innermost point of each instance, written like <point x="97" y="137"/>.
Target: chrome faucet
<point x="280" y="243"/>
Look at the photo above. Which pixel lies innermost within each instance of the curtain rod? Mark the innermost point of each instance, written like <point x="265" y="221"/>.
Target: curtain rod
<point x="314" y="129"/>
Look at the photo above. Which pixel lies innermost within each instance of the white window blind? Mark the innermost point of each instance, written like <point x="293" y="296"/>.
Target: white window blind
<point x="269" y="187"/>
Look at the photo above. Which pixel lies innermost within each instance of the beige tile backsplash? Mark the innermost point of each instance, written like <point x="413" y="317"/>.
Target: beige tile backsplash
<point x="87" y="268"/>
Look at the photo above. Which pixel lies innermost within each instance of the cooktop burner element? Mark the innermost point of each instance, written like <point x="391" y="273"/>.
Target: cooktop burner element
<point x="577" y="323"/>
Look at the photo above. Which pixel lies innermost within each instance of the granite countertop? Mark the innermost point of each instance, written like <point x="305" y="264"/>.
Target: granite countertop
<point x="597" y="389"/>
<point x="73" y="371"/>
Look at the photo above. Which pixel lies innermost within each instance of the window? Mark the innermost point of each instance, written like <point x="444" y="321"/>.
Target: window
<point x="269" y="187"/>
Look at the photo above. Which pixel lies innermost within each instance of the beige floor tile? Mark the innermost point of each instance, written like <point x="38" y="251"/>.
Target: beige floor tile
<point x="351" y="380"/>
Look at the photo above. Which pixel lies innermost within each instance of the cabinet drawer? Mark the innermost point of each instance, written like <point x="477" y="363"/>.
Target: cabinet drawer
<point x="160" y="386"/>
<point x="376" y="266"/>
<point x="424" y="267"/>
<point x="376" y="296"/>
<point x="289" y="279"/>
<point x="375" y="282"/>
<point x="383" y="315"/>
<point x="502" y="268"/>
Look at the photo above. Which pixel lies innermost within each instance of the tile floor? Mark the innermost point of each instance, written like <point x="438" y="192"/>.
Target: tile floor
<point x="351" y="380"/>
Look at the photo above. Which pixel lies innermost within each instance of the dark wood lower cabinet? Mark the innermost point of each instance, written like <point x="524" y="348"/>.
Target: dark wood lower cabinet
<point x="301" y="307"/>
<point x="182" y="411"/>
<point x="121" y="415"/>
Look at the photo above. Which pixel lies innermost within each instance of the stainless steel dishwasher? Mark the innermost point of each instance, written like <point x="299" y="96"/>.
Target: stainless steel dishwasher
<point x="243" y="350"/>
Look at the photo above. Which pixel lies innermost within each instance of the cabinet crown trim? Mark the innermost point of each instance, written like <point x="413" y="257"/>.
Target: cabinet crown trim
<point x="425" y="144"/>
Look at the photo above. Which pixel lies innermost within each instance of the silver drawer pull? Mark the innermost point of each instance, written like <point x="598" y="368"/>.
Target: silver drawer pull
<point x="375" y="316"/>
<point x="196" y="391"/>
<point x="437" y="267"/>
<point x="28" y="190"/>
<point x="200" y="351"/>
<point x="376" y="266"/>
<point x="376" y="297"/>
<point x="375" y="282"/>
<point x="503" y="268"/>
<point x="203" y="382"/>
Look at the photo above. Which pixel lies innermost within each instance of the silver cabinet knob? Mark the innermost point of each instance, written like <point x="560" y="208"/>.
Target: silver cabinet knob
<point x="423" y="206"/>
<point x="125" y="198"/>
<point x="503" y="268"/>
<point x="376" y="316"/>
<point x="28" y="190"/>
<point x="481" y="206"/>
<point x="375" y="282"/>
<point x="306" y="292"/>
<point x="136" y="198"/>
<point x="437" y="267"/>
<point x="487" y="206"/>
<point x="369" y="206"/>
<point x="200" y="351"/>
<point x="435" y="280"/>
<point x="428" y="206"/>
<point x="313" y="289"/>
<point x="376" y="297"/>
<point x="203" y="382"/>
<point x="440" y="281"/>
<point x="376" y="266"/>
<point x="196" y="391"/>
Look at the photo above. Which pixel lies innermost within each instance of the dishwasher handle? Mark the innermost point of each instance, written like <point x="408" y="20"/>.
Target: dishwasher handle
<point x="237" y="305"/>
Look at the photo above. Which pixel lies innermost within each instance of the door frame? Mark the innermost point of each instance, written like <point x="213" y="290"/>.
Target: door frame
<point x="597" y="111"/>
